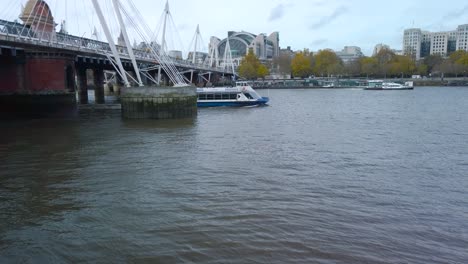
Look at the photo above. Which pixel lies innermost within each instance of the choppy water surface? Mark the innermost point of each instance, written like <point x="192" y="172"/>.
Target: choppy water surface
<point x="320" y="176"/>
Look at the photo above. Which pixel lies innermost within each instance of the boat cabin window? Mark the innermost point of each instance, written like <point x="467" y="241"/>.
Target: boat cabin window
<point x="229" y="96"/>
<point x="248" y="95"/>
<point x="226" y="96"/>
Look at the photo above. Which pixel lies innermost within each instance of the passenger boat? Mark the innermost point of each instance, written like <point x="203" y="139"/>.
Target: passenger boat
<point x="240" y="95"/>
<point x="381" y="85"/>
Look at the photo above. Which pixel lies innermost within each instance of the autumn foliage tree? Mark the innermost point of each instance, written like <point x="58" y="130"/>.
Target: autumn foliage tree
<point x="251" y="68"/>
<point x="368" y="66"/>
<point x="460" y="60"/>
<point x="385" y="61"/>
<point x="384" y="64"/>
<point x="283" y="64"/>
<point x="302" y="64"/>
<point x="432" y="61"/>
<point x="327" y="63"/>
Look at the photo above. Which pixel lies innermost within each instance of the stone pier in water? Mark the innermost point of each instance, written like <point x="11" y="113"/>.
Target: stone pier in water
<point x="159" y="102"/>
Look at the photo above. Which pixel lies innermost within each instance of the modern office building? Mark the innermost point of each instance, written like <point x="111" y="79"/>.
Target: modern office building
<point x="199" y="58"/>
<point x="462" y="37"/>
<point x="426" y="44"/>
<point x="379" y="47"/>
<point x="287" y="52"/>
<point x="419" y="44"/>
<point x="439" y="43"/>
<point x="265" y="48"/>
<point x="443" y="43"/>
<point x="349" y="54"/>
<point x="175" y="54"/>
<point x="412" y="40"/>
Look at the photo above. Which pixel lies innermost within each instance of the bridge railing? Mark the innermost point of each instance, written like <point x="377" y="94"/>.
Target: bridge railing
<point x="17" y="33"/>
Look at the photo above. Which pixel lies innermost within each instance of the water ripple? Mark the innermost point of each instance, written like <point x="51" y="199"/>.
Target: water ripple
<point x="321" y="176"/>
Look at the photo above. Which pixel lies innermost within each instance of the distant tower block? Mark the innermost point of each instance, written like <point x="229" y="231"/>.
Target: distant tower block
<point x="38" y="16"/>
<point x="121" y="40"/>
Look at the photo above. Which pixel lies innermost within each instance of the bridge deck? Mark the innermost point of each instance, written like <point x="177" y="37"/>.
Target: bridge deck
<point x="18" y="36"/>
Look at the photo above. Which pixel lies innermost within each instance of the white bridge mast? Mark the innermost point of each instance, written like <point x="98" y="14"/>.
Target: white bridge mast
<point x="162" y="51"/>
<point x="197" y="35"/>
<point x="111" y="42"/>
<point x="228" y="57"/>
<point x="127" y="41"/>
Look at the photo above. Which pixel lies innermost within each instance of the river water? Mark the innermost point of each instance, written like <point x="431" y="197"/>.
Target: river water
<point x="319" y="176"/>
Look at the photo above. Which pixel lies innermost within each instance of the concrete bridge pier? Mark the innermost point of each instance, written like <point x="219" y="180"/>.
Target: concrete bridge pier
<point x="36" y="82"/>
<point x="162" y="77"/>
<point x="118" y="84"/>
<point x="159" y="102"/>
<point x="164" y="80"/>
<point x="82" y="86"/>
<point x="98" y="79"/>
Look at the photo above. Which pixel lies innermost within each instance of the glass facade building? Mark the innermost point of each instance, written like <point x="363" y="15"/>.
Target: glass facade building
<point x="264" y="47"/>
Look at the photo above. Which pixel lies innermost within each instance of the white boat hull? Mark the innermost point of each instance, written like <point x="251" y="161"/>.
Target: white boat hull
<point x="241" y="95"/>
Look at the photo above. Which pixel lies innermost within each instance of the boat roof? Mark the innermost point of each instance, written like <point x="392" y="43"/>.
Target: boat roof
<point x="243" y="83"/>
<point x="218" y="90"/>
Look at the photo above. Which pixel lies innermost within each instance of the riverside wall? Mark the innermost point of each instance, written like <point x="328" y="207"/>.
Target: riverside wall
<point x="159" y="102"/>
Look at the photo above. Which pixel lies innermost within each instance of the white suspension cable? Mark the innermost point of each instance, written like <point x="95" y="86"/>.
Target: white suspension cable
<point x="28" y="19"/>
<point x="117" y="8"/>
<point x="162" y="58"/>
<point x="110" y="40"/>
<point x="8" y="10"/>
<point x="44" y="23"/>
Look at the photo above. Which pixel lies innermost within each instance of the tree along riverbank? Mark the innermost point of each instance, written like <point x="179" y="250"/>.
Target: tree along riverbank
<point x="348" y="83"/>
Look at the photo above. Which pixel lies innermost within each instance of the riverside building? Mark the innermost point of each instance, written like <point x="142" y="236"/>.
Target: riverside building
<point x="462" y="37"/>
<point x="419" y="44"/>
<point x="264" y="47"/>
<point x="349" y="54"/>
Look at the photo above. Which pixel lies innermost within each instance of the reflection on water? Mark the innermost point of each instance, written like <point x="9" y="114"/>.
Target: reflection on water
<point x="36" y="160"/>
<point x="159" y="124"/>
<point x="320" y="176"/>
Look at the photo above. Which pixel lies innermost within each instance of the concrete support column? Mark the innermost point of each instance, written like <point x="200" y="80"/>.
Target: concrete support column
<point x="70" y="78"/>
<point x="159" y="76"/>
<point x="82" y="85"/>
<point x="118" y="84"/>
<point x="144" y="80"/>
<point x="167" y="81"/>
<point x="98" y="75"/>
<point x="156" y="76"/>
<point x="130" y="80"/>
<point x="21" y="77"/>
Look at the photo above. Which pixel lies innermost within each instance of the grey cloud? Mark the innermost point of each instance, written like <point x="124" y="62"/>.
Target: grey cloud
<point x="320" y="3"/>
<point x="328" y="19"/>
<point x="456" y="14"/>
<point x="319" y="42"/>
<point x="278" y="12"/>
<point x="447" y="17"/>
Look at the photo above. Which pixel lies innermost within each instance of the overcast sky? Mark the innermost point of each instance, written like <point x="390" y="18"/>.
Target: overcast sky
<point x="316" y="24"/>
<point x="313" y="24"/>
